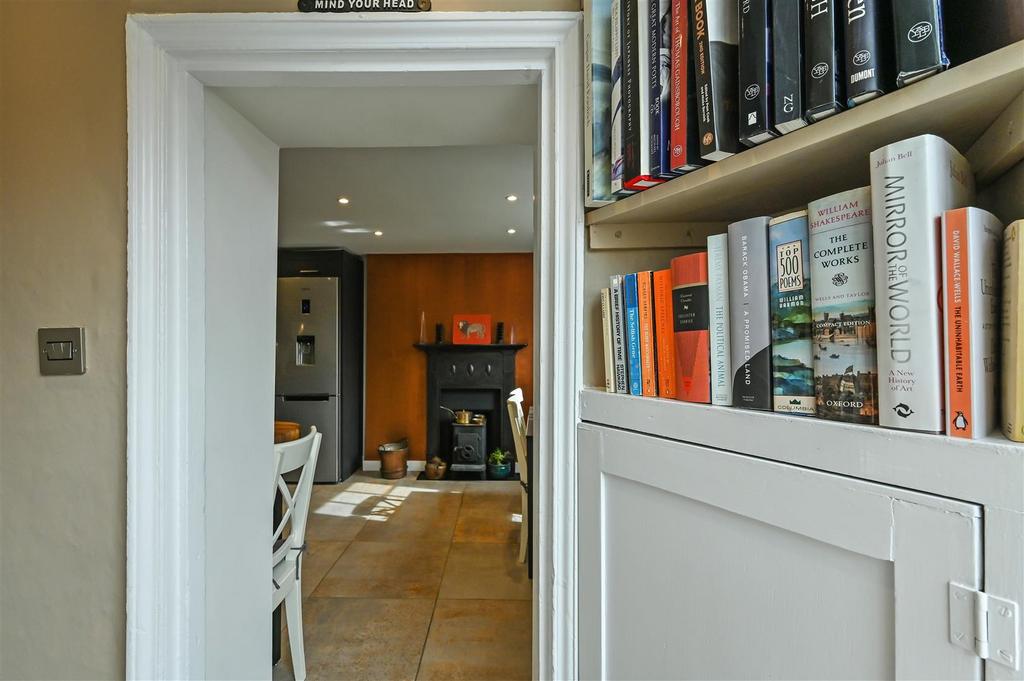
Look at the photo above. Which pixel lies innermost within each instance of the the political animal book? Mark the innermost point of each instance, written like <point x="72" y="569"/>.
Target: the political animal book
<point x="920" y="43"/>
<point x="787" y="65"/>
<point x="606" y="338"/>
<point x="684" y="138"/>
<point x="597" y="86"/>
<point x="718" y="319"/>
<point x="972" y="241"/>
<point x="648" y="375"/>
<point x="715" y="31"/>
<point x="618" y="314"/>
<point x="823" y="84"/>
<point x="632" y="304"/>
<point x="868" y="43"/>
<point x="789" y="277"/>
<point x="843" y="306"/>
<point x="1012" y="389"/>
<point x="664" y="339"/>
<point x="912" y="183"/>
<point x="750" y="324"/>
<point x="755" y="100"/>
<point x="636" y="96"/>
<point x="690" y="312"/>
<point x="660" y="68"/>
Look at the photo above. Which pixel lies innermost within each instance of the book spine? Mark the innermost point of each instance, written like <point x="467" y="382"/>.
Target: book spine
<point x="755" y="119"/>
<point x="615" y="106"/>
<point x="631" y="84"/>
<point x="823" y="62"/>
<point x="843" y="307"/>
<point x="690" y="324"/>
<point x="789" y="269"/>
<point x="750" y="327"/>
<point x="653" y="64"/>
<point x="664" y="65"/>
<point x="619" y="335"/>
<point x="718" y="319"/>
<point x="715" y="65"/>
<point x="920" y="50"/>
<point x="629" y="289"/>
<point x="912" y="183"/>
<point x="596" y="101"/>
<point x="663" y="332"/>
<point x="787" y="65"/>
<point x="868" y="42"/>
<point x="648" y="367"/>
<point x="685" y="136"/>
<point x="1013" y="332"/>
<point x="606" y="337"/>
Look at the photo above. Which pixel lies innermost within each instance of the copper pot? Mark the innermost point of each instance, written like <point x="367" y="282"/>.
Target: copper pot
<point x="462" y="416"/>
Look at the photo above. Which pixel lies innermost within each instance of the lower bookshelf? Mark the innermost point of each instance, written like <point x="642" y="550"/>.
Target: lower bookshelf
<point x="989" y="471"/>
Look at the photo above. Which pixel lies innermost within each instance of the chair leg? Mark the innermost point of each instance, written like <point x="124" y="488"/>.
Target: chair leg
<point x="524" y="529"/>
<point x="293" y="611"/>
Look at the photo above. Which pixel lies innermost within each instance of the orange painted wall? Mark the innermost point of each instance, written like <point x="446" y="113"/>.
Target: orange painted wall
<point x="398" y="288"/>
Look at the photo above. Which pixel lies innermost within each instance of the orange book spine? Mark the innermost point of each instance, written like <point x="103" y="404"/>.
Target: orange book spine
<point x="648" y="376"/>
<point x="664" y="343"/>
<point x="691" y="325"/>
<point x="959" y="416"/>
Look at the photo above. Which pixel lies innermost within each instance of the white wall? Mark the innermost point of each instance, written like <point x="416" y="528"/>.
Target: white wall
<point x="241" y="208"/>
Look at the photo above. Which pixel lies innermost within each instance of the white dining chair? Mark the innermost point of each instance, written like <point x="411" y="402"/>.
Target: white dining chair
<point x="287" y="550"/>
<point x="515" y="415"/>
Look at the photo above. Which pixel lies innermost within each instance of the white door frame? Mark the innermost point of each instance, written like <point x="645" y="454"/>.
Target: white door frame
<point x="170" y="60"/>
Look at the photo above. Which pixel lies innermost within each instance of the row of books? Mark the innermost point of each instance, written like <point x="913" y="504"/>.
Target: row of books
<point x="878" y="305"/>
<point x="671" y="85"/>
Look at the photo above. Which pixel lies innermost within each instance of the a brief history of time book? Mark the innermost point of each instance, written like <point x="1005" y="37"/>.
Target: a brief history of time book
<point x="632" y="306"/>
<point x="868" y="46"/>
<point x="606" y="337"/>
<point x="636" y="96"/>
<point x="920" y="44"/>
<point x="823" y="85"/>
<point x="690" y="312"/>
<point x="684" y="140"/>
<point x="789" y="278"/>
<point x="664" y="338"/>
<point x="755" y="72"/>
<point x="596" y="102"/>
<point x="619" y="334"/>
<point x="972" y="250"/>
<point x="750" y="325"/>
<point x="715" y="33"/>
<point x="912" y="183"/>
<point x="843" y="306"/>
<point x="648" y="375"/>
<point x="1012" y="391"/>
<point x="718" y="319"/>
<point x="660" y="68"/>
<point x="788" y="65"/>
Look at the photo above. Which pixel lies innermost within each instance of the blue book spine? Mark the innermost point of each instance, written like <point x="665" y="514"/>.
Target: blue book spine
<point x="632" y="333"/>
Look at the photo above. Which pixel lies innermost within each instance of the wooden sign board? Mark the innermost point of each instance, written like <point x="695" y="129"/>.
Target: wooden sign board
<point x="364" y="5"/>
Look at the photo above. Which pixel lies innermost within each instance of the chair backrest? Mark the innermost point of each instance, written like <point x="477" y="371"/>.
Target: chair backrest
<point x="515" y="415"/>
<point x="301" y="453"/>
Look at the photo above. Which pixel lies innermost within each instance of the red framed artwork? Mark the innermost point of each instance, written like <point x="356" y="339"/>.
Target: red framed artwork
<point x="471" y="329"/>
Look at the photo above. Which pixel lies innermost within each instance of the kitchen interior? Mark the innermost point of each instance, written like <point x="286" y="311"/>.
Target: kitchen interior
<point x="404" y="324"/>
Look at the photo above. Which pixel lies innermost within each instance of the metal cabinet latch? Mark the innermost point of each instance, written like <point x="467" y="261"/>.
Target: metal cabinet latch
<point x="985" y="624"/>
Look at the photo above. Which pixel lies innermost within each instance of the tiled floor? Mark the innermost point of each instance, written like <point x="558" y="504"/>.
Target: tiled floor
<point x="410" y="579"/>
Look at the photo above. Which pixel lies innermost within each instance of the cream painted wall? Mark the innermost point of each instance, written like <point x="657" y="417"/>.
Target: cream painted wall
<point x="63" y="157"/>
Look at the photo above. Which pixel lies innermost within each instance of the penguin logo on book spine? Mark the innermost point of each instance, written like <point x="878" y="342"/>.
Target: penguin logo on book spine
<point x="960" y="422"/>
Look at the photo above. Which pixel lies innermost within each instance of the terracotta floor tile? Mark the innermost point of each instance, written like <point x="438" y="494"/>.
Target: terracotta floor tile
<point x="485" y="571"/>
<point x="320" y="556"/>
<point x="478" y="640"/>
<point x="489" y="516"/>
<point x="386" y="570"/>
<point x="424" y="515"/>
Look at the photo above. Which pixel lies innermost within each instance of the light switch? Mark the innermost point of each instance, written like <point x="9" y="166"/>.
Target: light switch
<point x="62" y="351"/>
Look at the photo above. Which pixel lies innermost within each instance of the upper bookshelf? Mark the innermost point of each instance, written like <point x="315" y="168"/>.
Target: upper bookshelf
<point x="831" y="155"/>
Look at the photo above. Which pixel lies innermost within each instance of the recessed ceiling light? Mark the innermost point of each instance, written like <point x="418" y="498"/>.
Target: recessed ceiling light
<point x="511" y="197"/>
<point x="378" y="233"/>
<point x="343" y="200"/>
<point x="336" y="223"/>
<point x="355" y="230"/>
<point x="511" y="230"/>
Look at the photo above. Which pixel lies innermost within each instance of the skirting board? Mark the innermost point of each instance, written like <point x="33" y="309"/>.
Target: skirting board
<point x="374" y="466"/>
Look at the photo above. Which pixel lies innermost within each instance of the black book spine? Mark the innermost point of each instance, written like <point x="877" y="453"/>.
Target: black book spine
<point x="920" y="51"/>
<point x="787" y="65"/>
<point x="630" y="90"/>
<point x="823" y="63"/>
<point x="755" y="121"/>
<point x="715" y="64"/>
<point x="869" y="41"/>
<point x="653" y="79"/>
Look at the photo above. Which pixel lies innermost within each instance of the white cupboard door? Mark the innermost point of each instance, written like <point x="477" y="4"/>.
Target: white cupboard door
<point x="702" y="564"/>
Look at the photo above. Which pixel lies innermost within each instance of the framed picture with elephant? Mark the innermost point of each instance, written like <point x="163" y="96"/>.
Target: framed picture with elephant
<point x="471" y="329"/>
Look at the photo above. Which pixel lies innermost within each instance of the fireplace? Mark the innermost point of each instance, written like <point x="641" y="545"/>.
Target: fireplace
<point x="474" y="377"/>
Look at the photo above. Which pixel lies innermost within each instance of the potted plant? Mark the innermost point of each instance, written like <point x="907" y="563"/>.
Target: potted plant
<point x="498" y="465"/>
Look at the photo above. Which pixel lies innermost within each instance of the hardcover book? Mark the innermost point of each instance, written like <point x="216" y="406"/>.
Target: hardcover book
<point x="920" y="44"/>
<point x="750" y="324"/>
<point x="843" y="307"/>
<point x="789" y="276"/>
<point x="596" y="102"/>
<point x="912" y="183"/>
<point x="648" y="376"/>
<point x="718" y="319"/>
<point x="617" y="142"/>
<point x="636" y="96"/>
<point x="823" y="85"/>
<point x="755" y="101"/>
<point x="972" y="249"/>
<point x="618" y="310"/>
<point x="664" y="340"/>
<point x="1013" y="332"/>
<point x="788" y="65"/>
<point x="690" y="313"/>
<point x="684" y="143"/>
<point x="869" y="44"/>
<point x="632" y="306"/>
<point x="606" y="337"/>
<point x="982" y="26"/>
<point x="660" y="68"/>
<point x="715" y="31"/>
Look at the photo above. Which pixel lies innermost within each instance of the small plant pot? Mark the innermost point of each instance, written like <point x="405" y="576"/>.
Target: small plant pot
<point x="498" y="471"/>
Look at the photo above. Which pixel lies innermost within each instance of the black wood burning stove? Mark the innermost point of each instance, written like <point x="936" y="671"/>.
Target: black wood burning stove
<point x="469" y="447"/>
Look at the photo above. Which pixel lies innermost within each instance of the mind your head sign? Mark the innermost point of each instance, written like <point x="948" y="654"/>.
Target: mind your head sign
<point x="364" y="5"/>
